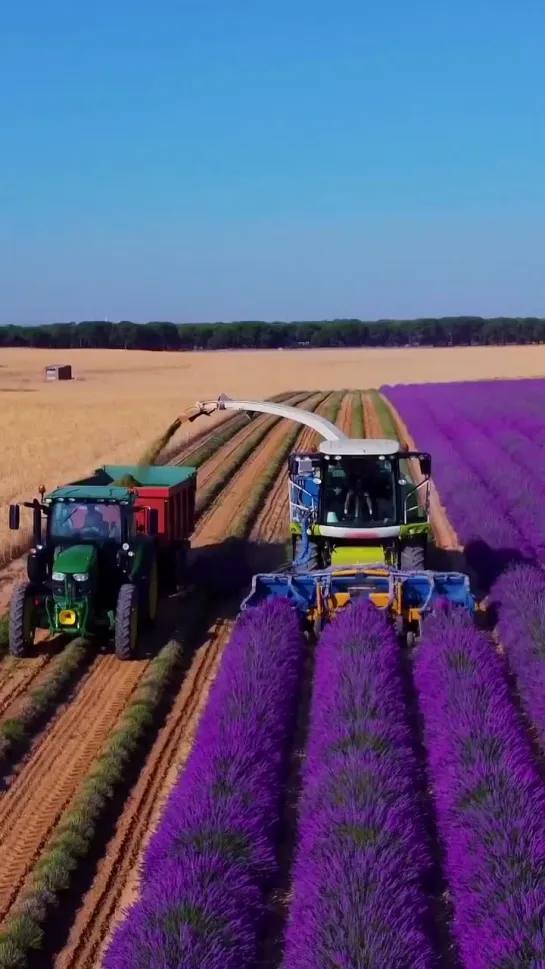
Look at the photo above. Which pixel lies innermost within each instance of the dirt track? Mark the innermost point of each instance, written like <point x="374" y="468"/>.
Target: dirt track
<point x="344" y="420"/>
<point x="371" y="420"/>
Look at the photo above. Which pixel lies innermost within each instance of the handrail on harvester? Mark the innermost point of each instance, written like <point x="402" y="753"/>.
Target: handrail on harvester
<point x="321" y="425"/>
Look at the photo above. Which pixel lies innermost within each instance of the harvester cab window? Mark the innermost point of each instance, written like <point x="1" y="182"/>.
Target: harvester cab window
<point x="360" y="492"/>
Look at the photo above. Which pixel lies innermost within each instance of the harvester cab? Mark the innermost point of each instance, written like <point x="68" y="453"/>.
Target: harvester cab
<point x="355" y="502"/>
<point x="99" y="553"/>
<point x="360" y="525"/>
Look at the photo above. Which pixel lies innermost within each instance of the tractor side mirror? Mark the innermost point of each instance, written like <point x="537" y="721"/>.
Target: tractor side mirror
<point x="153" y="522"/>
<point x="14" y="517"/>
<point x="425" y="465"/>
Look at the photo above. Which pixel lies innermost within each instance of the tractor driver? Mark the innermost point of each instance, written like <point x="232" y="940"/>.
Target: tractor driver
<point x="95" y="522"/>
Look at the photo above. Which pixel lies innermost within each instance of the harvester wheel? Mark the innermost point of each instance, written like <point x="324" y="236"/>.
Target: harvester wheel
<point x="126" y="621"/>
<point x="22" y="621"/>
<point x="413" y="558"/>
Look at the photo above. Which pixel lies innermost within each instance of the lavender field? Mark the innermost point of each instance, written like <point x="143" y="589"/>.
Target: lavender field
<point x="418" y="820"/>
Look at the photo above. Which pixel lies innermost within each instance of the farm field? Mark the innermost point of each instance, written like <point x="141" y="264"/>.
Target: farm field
<point x="122" y="400"/>
<point x="322" y="817"/>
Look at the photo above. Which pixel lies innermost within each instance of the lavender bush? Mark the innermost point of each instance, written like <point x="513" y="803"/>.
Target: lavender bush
<point x="359" y="883"/>
<point x="519" y="596"/>
<point x="490" y="802"/>
<point x="211" y="859"/>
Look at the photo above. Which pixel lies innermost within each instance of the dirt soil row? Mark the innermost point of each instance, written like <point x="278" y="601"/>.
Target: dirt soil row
<point x="371" y="420"/>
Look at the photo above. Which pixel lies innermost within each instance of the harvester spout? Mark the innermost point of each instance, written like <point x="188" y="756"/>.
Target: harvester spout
<point x="192" y="413"/>
<point x="323" y="427"/>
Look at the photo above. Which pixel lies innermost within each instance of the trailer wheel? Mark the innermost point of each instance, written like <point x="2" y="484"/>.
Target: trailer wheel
<point x="126" y="621"/>
<point x="150" y="594"/>
<point x="22" y="621"/>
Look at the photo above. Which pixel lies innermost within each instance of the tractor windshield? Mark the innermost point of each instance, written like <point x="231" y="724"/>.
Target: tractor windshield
<point x="360" y="492"/>
<point x="83" y="521"/>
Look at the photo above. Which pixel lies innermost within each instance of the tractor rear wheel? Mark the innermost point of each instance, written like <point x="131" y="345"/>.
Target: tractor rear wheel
<point x="22" y="621"/>
<point x="413" y="557"/>
<point x="126" y="621"/>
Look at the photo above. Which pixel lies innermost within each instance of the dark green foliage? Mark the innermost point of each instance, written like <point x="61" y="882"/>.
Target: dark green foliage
<point x="440" y="332"/>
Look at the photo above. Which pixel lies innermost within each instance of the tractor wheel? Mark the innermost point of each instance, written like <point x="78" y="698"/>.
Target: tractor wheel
<point x="22" y="621"/>
<point x="126" y="621"/>
<point x="413" y="558"/>
<point x="150" y="594"/>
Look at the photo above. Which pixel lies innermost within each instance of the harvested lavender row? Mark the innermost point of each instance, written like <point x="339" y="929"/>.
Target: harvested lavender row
<point x="209" y="862"/>
<point x="359" y="896"/>
<point x="520" y="597"/>
<point x="490" y="802"/>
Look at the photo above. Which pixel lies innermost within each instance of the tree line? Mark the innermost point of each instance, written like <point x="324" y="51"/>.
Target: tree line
<point x="250" y="334"/>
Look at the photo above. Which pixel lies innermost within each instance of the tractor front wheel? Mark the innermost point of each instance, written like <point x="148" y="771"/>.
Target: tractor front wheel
<point x="126" y="622"/>
<point x="22" y="621"/>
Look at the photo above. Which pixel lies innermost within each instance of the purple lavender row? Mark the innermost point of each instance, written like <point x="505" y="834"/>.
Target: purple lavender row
<point x="359" y="881"/>
<point x="483" y="519"/>
<point x="489" y="800"/>
<point x="519" y="595"/>
<point x="213" y="855"/>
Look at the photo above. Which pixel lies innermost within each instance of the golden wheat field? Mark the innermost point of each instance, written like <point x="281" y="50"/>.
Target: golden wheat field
<point x="120" y="400"/>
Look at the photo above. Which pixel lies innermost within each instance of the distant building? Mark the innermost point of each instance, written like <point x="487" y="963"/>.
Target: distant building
<point x="58" y="372"/>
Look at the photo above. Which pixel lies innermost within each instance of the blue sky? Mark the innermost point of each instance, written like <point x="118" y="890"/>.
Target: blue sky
<point x="203" y="160"/>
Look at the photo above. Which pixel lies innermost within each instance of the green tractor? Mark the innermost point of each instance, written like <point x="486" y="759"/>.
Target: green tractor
<point x="102" y="553"/>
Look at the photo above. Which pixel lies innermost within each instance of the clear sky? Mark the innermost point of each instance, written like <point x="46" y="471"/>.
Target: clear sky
<point x="250" y="159"/>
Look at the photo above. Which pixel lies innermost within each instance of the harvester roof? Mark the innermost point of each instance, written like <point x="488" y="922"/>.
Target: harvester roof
<point x="362" y="447"/>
